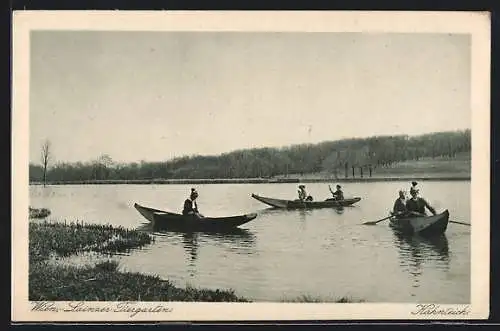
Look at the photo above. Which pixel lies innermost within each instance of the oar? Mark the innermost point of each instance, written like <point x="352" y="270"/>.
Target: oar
<point x="459" y="223"/>
<point x="375" y="222"/>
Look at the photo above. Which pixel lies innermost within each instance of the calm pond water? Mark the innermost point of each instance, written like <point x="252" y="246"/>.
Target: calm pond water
<point x="322" y="253"/>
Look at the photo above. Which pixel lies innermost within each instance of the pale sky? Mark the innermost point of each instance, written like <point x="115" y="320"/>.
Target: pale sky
<point x="156" y="95"/>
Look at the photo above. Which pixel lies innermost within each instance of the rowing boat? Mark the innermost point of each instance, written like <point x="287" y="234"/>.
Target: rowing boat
<point x="168" y="220"/>
<point x="297" y="204"/>
<point x="423" y="225"/>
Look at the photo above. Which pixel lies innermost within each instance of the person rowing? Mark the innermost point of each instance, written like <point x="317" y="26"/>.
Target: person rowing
<point x="303" y="194"/>
<point x="338" y="194"/>
<point x="190" y="205"/>
<point x="417" y="205"/>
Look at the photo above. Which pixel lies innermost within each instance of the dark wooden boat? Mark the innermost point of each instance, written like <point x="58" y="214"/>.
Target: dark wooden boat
<point x="423" y="225"/>
<point x="167" y="220"/>
<point x="296" y="204"/>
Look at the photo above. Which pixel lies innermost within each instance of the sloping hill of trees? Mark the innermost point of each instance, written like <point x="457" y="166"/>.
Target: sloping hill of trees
<point x="335" y="157"/>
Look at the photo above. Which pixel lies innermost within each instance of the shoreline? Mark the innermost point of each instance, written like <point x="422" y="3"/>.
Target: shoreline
<point x="256" y="180"/>
<point x="52" y="279"/>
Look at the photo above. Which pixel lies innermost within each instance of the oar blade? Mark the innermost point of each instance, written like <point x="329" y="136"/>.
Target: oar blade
<point x="375" y="222"/>
<point x="456" y="222"/>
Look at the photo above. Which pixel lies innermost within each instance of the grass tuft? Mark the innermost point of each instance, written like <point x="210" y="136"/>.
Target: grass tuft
<point x="38" y="212"/>
<point x="73" y="238"/>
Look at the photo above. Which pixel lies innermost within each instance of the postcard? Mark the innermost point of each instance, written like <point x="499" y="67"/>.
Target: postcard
<point x="250" y="166"/>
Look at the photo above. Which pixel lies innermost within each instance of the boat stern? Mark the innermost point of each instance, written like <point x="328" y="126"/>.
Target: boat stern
<point x="439" y="226"/>
<point x="276" y="203"/>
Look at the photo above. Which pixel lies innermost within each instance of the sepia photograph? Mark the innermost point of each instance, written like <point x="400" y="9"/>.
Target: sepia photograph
<point x="250" y="165"/>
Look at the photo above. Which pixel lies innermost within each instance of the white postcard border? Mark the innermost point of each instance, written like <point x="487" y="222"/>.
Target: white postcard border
<point x="477" y="24"/>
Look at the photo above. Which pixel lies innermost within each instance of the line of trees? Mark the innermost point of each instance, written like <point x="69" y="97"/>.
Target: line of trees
<point x="334" y="157"/>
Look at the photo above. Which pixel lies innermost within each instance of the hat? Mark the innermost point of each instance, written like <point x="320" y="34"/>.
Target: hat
<point x="338" y="186"/>
<point x="414" y="183"/>
<point x="302" y="186"/>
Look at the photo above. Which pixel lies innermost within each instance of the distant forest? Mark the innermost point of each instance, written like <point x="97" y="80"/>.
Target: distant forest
<point x="339" y="158"/>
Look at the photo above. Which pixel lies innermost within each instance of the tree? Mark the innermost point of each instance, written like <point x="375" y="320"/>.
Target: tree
<point x="101" y="166"/>
<point x="46" y="158"/>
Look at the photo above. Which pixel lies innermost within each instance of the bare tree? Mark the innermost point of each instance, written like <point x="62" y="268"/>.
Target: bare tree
<point x="105" y="160"/>
<point x="46" y="157"/>
<point x="102" y="166"/>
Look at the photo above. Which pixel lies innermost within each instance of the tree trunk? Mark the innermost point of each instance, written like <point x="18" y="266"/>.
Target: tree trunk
<point x="361" y="171"/>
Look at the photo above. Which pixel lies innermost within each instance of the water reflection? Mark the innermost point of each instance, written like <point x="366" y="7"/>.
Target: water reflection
<point x="339" y="210"/>
<point x="271" y="211"/>
<point x="190" y="244"/>
<point x="304" y="213"/>
<point x="416" y="252"/>
<point x="236" y="240"/>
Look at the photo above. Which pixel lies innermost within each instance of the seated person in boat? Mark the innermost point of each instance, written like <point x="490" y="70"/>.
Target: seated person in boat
<point x="303" y="194"/>
<point x="414" y="187"/>
<point x="338" y="194"/>
<point x="417" y="205"/>
<point x="190" y="206"/>
<point x="399" y="207"/>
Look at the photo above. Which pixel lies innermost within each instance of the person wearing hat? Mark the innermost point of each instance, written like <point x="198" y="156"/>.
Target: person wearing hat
<point x="303" y="194"/>
<point x="190" y="206"/>
<point x="338" y="194"/>
<point x="400" y="204"/>
<point x="414" y="187"/>
<point x="417" y="205"/>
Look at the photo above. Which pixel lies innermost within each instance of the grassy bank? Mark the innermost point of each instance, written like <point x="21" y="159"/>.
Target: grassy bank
<point x="425" y="169"/>
<point x="428" y="167"/>
<point x="102" y="281"/>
